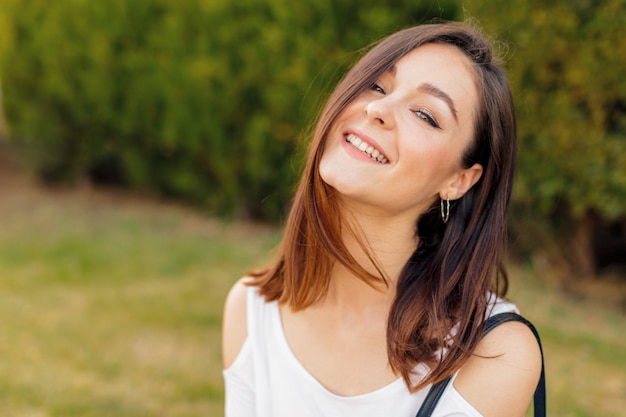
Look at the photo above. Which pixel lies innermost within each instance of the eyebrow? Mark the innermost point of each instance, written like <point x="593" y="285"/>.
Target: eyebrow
<point x="435" y="91"/>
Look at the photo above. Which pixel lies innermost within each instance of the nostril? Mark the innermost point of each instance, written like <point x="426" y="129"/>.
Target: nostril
<point x="377" y="112"/>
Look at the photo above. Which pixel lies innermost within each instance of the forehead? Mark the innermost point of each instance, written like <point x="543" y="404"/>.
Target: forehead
<point x="443" y="66"/>
<point x="447" y="58"/>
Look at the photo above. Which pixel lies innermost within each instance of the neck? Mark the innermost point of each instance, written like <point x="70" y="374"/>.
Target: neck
<point x="389" y="241"/>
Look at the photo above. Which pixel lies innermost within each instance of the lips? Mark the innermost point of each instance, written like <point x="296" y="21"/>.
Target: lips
<point x="366" y="148"/>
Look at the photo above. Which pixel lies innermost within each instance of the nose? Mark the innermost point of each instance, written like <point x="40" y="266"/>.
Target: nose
<point x="379" y="111"/>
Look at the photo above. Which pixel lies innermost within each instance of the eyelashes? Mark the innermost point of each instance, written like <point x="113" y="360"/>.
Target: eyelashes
<point x="428" y="117"/>
<point x="421" y="113"/>
<point x="376" y="87"/>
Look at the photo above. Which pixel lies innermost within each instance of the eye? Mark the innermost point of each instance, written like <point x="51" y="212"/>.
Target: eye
<point x="428" y="117"/>
<point x="376" y="87"/>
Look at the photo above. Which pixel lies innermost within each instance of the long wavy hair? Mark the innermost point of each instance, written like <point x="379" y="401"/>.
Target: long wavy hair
<point x="443" y="290"/>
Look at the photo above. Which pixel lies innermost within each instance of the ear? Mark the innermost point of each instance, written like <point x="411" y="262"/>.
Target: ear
<point x="461" y="182"/>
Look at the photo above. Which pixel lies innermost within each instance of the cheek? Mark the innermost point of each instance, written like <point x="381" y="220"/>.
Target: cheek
<point x="431" y="157"/>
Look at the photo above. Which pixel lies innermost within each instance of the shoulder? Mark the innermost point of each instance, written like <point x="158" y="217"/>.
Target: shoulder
<point x="506" y="364"/>
<point x="234" y="325"/>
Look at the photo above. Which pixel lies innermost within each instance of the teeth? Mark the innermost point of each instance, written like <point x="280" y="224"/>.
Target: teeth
<point x="365" y="148"/>
<point x="354" y="140"/>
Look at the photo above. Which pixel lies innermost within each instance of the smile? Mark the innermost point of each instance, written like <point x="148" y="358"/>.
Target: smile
<point x="366" y="148"/>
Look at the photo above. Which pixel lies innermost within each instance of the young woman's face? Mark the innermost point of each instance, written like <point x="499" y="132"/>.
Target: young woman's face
<point x="397" y="147"/>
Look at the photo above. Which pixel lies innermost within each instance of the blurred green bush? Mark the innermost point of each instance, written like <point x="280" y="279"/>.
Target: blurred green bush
<point x="566" y="66"/>
<point x="199" y="99"/>
<point x="206" y="100"/>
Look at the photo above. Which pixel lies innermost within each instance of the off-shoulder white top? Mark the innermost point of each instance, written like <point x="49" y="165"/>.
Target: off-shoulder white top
<point x="267" y="380"/>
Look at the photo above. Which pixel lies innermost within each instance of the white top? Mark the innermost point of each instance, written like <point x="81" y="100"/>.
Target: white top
<point x="267" y="380"/>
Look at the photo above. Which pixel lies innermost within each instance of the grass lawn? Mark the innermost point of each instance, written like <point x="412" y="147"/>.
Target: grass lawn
<point x="111" y="306"/>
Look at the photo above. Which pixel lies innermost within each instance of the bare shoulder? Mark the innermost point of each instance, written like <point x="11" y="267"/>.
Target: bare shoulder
<point x="500" y="377"/>
<point x="234" y="325"/>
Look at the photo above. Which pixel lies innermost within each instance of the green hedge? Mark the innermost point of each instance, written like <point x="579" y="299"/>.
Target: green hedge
<point x="200" y="99"/>
<point x="567" y="61"/>
<point x="206" y="100"/>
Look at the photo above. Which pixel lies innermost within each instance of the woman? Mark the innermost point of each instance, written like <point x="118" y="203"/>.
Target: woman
<point x="393" y="243"/>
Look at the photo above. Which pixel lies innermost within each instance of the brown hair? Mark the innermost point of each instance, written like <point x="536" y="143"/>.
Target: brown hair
<point x="446" y="281"/>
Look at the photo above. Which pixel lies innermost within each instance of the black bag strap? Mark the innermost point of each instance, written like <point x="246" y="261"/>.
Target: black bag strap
<point x="539" y="399"/>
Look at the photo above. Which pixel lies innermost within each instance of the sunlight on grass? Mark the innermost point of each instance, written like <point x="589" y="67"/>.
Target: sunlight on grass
<point x="584" y="346"/>
<point x="112" y="307"/>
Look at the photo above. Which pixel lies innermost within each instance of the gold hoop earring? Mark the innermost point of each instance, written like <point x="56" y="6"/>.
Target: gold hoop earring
<point x="445" y="215"/>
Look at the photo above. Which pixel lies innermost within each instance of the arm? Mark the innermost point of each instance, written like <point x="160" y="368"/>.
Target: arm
<point x="500" y="377"/>
<point x="239" y="399"/>
<point x="234" y="326"/>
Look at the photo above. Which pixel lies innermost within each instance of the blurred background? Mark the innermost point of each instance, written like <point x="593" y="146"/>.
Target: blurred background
<point x="149" y="150"/>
